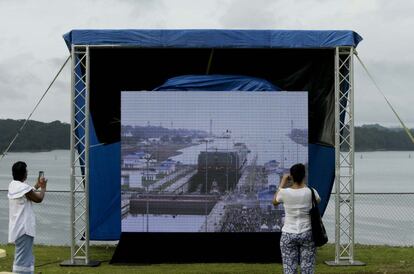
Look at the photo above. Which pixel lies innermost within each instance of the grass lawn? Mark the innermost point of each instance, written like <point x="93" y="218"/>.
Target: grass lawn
<point x="379" y="259"/>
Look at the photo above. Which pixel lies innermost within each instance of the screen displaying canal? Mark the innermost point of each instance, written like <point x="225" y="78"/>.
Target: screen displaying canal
<point x="208" y="161"/>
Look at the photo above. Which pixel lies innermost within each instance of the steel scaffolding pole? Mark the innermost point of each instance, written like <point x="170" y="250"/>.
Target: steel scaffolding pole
<point x="344" y="158"/>
<point x="79" y="160"/>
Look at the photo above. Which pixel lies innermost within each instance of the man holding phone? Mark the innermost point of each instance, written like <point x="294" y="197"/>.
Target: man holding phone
<point x="22" y="224"/>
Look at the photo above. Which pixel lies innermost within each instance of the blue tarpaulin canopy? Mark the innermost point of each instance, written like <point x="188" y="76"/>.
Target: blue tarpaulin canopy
<point x="216" y="83"/>
<point x="215" y="38"/>
<point x="105" y="219"/>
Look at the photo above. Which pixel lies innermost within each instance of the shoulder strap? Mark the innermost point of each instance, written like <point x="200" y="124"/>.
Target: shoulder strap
<point x="313" y="197"/>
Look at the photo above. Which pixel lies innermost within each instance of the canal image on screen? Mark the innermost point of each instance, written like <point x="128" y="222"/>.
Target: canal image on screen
<point x="208" y="161"/>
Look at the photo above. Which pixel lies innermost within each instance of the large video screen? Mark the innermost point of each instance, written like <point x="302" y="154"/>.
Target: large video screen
<point x="208" y="161"/>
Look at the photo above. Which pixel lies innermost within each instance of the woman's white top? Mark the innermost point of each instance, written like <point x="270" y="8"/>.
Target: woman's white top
<point x="21" y="216"/>
<point x="297" y="203"/>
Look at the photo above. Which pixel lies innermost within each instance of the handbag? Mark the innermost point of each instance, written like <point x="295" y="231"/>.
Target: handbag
<point x="318" y="229"/>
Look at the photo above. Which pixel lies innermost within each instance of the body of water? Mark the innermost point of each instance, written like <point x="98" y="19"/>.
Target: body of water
<point x="384" y="171"/>
<point x="55" y="164"/>
<point x="380" y="219"/>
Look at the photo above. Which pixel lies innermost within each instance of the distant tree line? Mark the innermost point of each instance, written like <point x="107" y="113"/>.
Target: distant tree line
<point x="376" y="137"/>
<point x="36" y="136"/>
<point x="39" y="136"/>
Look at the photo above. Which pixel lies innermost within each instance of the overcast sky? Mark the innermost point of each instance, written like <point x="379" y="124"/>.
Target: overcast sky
<point x="32" y="48"/>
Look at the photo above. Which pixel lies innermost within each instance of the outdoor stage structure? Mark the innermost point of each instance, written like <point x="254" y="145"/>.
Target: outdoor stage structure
<point x="105" y="62"/>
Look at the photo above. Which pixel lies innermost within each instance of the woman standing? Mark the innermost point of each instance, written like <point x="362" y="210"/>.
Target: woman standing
<point x="296" y="242"/>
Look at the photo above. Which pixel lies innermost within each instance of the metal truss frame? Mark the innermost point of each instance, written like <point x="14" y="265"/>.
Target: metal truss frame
<point x="344" y="157"/>
<point x="79" y="160"/>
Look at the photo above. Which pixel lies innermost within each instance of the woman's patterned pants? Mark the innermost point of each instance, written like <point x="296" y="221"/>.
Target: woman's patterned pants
<point x="298" y="249"/>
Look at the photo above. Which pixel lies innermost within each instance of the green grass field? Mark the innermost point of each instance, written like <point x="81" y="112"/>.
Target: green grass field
<point x="379" y="259"/>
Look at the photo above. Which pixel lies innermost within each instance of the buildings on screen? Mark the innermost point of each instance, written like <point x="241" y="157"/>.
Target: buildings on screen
<point x="139" y="166"/>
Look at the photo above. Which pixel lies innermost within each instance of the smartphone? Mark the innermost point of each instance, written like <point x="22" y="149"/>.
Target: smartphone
<point x="41" y="174"/>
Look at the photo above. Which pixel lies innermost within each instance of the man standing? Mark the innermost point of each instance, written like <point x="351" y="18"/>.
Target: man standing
<point x="22" y="224"/>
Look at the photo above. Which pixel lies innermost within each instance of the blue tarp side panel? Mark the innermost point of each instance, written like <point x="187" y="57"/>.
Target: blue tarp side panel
<point x="217" y="82"/>
<point x="104" y="189"/>
<point x="105" y="206"/>
<point x="321" y="171"/>
<point x="104" y="170"/>
<point x="215" y="38"/>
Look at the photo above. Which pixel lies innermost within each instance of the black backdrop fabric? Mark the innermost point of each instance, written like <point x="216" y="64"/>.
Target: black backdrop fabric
<point x="114" y="70"/>
<point x="156" y="248"/>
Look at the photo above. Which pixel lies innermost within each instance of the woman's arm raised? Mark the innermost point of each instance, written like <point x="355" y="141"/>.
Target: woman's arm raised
<point x="283" y="183"/>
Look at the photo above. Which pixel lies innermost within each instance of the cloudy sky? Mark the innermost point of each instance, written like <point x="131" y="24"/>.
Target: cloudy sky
<point x="32" y="48"/>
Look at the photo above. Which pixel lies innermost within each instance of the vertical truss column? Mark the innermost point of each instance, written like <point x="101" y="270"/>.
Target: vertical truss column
<point x="344" y="158"/>
<point x="79" y="161"/>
